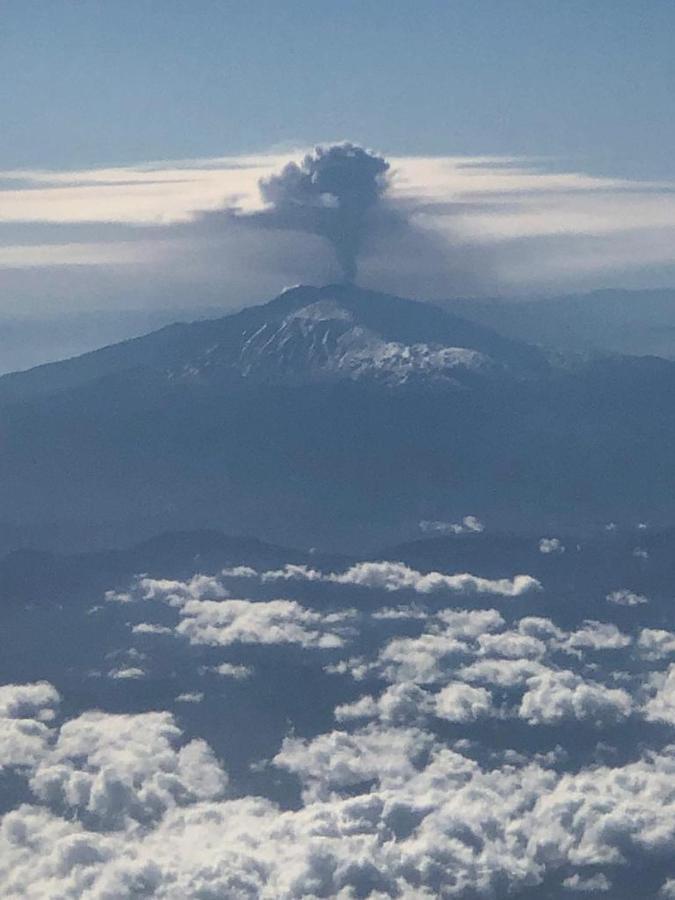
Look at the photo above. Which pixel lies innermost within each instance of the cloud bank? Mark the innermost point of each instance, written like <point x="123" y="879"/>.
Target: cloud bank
<point x="123" y="806"/>
<point x="445" y="750"/>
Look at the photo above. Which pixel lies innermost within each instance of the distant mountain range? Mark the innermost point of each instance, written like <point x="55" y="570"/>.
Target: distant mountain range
<point x="639" y="322"/>
<point x="335" y="417"/>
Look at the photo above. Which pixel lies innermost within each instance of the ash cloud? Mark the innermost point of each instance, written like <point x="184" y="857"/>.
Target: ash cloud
<point x="333" y="215"/>
<point x="331" y="193"/>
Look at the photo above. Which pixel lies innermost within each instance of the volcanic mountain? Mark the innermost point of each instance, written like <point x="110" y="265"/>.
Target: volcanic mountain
<point x="334" y="416"/>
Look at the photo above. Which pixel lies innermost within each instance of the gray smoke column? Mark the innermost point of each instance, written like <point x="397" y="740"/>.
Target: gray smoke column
<point x="330" y="193"/>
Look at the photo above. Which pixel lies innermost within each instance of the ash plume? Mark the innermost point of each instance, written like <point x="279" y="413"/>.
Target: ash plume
<point x="331" y="193"/>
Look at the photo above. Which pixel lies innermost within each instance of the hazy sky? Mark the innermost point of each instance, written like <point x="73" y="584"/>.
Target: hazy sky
<point x="531" y="146"/>
<point x="89" y="82"/>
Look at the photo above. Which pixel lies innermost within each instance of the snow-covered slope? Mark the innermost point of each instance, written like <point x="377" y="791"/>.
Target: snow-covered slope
<point x="324" y="340"/>
<point x="306" y="335"/>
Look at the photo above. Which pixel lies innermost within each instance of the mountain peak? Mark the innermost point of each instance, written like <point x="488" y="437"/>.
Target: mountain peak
<point x="335" y="332"/>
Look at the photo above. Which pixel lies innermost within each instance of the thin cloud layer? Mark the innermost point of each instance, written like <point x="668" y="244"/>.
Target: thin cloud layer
<point x="450" y="226"/>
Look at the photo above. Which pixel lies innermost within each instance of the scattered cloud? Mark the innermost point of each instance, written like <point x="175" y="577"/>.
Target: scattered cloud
<point x="225" y="622"/>
<point x="230" y="670"/>
<point x="590" y="884"/>
<point x="661" y="707"/>
<point x="511" y="645"/>
<point x="403" y="611"/>
<point x="399" y="704"/>
<point x="501" y="672"/>
<point x="397" y="576"/>
<point x="190" y="697"/>
<point x="655" y="643"/>
<point x="458" y="702"/>
<point x="402" y="794"/>
<point x="25" y="701"/>
<point x="126" y="672"/>
<point x="624" y="597"/>
<point x="551" y="545"/>
<point x="112" y="769"/>
<point x="595" y="636"/>
<point x="450" y="638"/>
<point x="553" y="696"/>
<point x="149" y="628"/>
<point x="25" y="713"/>
<point x="468" y="525"/>
<point x="126" y="804"/>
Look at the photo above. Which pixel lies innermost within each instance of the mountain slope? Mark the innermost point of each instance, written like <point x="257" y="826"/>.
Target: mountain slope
<point x="331" y="333"/>
<point x="333" y="417"/>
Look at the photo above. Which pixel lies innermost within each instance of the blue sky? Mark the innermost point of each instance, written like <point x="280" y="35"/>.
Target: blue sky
<point x="118" y="81"/>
